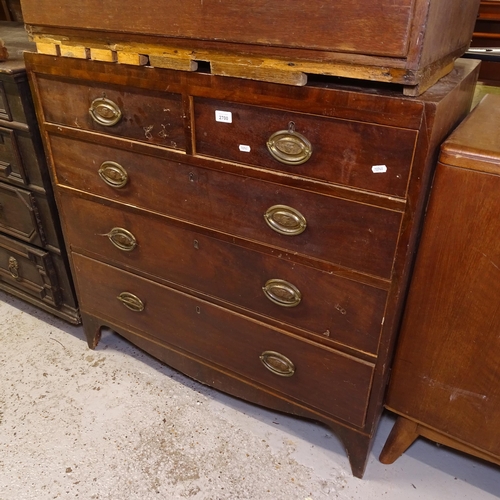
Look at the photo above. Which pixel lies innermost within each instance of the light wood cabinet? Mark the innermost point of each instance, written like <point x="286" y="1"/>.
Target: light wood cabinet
<point x="445" y="382"/>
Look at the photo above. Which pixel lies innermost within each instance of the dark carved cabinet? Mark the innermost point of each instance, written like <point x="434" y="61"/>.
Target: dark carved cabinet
<point x="257" y="237"/>
<point x="33" y="262"/>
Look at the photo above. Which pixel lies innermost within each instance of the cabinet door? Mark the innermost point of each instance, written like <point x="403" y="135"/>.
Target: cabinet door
<point x="447" y="368"/>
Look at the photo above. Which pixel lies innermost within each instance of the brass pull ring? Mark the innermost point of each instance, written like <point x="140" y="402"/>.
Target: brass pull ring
<point x="113" y="174"/>
<point x="14" y="268"/>
<point x="122" y="239"/>
<point x="285" y="220"/>
<point x="282" y="292"/>
<point x="277" y="363"/>
<point x="105" y="112"/>
<point x="131" y="301"/>
<point x="289" y="147"/>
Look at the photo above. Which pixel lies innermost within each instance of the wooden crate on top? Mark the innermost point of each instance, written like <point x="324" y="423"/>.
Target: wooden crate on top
<point x="407" y="42"/>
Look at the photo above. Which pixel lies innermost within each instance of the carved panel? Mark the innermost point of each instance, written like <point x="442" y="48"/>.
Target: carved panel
<point x="29" y="269"/>
<point x="19" y="215"/>
<point x="11" y="164"/>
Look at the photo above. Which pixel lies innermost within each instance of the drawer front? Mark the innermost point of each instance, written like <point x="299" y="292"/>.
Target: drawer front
<point x="366" y="156"/>
<point x="323" y="378"/>
<point x="29" y="269"/>
<point x="19" y="215"/>
<point x="153" y="117"/>
<point x="346" y="233"/>
<point x="332" y="307"/>
<point x="364" y="26"/>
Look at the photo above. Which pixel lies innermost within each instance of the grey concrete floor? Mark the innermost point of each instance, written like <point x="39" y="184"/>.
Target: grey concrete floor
<point x="116" y="424"/>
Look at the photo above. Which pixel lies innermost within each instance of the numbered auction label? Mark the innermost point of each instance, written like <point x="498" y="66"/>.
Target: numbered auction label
<point x="224" y="116"/>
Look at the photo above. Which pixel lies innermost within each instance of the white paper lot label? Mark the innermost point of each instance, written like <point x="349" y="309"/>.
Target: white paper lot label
<point x="223" y="116"/>
<point x="379" y="169"/>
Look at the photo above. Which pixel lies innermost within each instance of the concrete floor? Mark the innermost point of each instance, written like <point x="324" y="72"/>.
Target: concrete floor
<point x="116" y="424"/>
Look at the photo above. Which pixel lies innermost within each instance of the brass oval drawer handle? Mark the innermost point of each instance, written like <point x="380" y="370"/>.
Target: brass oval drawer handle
<point x="282" y="292"/>
<point x="105" y="112"/>
<point x="285" y="220"/>
<point x="113" y="174"/>
<point x="131" y="301"/>
<point x="122" y="239"/>
<point x="289" y="147"/>
<point x="277" y="363"/>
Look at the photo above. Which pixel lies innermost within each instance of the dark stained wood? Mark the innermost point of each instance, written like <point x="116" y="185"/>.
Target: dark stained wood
<point x="154" y="119"/>
<point x="244" y="140"/>
<point x="227" y="339"/>
<point x="358" y="243"/>
<point x="360" y="236"/>
<point x="446" y="372"/>
<point x="345" y="25"/>
<point x="29" y="224"/>
<point x="487" y="28"/>
<point x="486" y="36"/>
<point x="403" y="41"/>
<point x="26" y="270"/>
<point x="339" y="310"/>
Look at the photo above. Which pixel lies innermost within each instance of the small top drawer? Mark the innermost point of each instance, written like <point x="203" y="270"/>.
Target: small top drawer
<point x="362" y="155"/>
<point x="153" y="117"/>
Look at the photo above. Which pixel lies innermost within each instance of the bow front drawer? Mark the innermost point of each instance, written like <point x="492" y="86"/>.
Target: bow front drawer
<point x="334" y="309"/>
<point x="319" y="376"/>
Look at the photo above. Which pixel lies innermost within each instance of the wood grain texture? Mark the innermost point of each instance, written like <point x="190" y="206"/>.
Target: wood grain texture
<point x="33" y="261"/>
<point x="356" y="249"/>
<point x="407" y="42"/>
<point x="446" y="371"/>
<point x="346" y="25"/>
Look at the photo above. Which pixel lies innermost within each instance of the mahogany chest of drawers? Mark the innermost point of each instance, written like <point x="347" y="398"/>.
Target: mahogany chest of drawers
<point x="408" y="42"/>
<point x="255" y="236"/>
<point x="33" y="262"/>
<point x="445" y="383"/>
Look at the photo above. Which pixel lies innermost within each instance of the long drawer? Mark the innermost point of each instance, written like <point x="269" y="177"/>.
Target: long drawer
<point x="320" y="377"/>
<point x="329" y="306"/>
<point x="362" y="155"/>
<point x="346" y="233"/>
<point x="154" y="117"/>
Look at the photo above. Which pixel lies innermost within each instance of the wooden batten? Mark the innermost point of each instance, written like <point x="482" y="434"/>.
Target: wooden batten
<point x="269" y="69"/>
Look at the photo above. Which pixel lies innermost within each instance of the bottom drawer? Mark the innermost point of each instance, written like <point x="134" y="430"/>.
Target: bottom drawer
<point x="30" y="269"/>
<point x="318" y="376"/>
